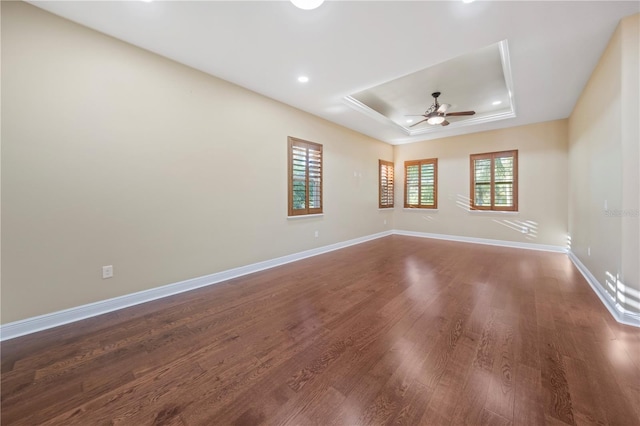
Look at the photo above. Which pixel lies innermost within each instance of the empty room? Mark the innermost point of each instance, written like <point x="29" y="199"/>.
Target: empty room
<point x="308" y="212"/>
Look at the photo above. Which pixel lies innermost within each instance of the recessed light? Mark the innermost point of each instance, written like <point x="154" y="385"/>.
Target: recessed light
<point x="468" y="1"/>
<point x="307" y="4"/>
<point x="303" y="79"/>
<point x="409" y="121"/>
<point x="496" y="102"/>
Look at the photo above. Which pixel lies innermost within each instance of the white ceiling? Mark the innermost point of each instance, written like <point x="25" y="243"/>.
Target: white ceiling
<point x="346" y="47"/>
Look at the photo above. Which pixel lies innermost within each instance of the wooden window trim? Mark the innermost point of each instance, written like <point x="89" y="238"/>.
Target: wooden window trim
<point x="492" y="156"/>
<point x="390" y="184"/>
<point x="419" y="163"/>
<point x="300" y="143"/>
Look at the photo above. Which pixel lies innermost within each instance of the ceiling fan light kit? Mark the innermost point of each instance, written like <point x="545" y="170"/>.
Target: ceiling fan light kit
<point x="437" y="113"/>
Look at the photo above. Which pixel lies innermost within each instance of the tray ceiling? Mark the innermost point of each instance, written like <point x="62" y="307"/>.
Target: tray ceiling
<point x="479" y="81"/>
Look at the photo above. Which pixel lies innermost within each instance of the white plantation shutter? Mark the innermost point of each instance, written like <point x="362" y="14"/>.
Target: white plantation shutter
<point x="503" y="173"/>
<point x="427" y="184"/>
<point x="314" y="155"/>
<point x="305" y="177"/>
<point x="421" y="184"/>
<point x="482" y="183"/>
<point x="385" y="177"/>
<point x="494" y="181"/>
<point x="412" y="184"/>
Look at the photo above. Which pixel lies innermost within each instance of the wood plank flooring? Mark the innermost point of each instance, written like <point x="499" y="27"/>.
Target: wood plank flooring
<point x="399" y="330"/>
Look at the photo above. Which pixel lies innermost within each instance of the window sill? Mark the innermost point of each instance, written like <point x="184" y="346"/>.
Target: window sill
<point x="419" y="210"/>
<point x="302" y="216"/>
<point x="385" y="209"/>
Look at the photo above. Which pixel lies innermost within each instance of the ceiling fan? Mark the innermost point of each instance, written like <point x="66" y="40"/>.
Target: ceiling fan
<point x="437" y="113"/>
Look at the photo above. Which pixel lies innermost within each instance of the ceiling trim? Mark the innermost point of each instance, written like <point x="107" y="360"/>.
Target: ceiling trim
<point x="370" y="112"/>
<point x="506" y="70"/>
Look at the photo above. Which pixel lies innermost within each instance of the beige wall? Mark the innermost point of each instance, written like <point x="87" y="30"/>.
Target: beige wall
<point x="112" y="155"/>
<point x="603" y="167"/>
<point x="630" y="139"/>
<point x="542" y="156"/>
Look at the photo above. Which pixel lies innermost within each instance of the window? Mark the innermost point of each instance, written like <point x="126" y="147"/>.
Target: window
<point x="385" y="184"/>
<point x="494" y="181"/>
<point x="421" y="184"/>
<point x="305" y="177"/>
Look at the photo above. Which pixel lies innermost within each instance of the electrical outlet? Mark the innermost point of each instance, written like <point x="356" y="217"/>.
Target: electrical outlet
<point x="385" y="222"/>
<point x="316" y="234"/>
<point x="589" y="251"/>
<point x="107" y="271"/>
<point x="524" y="230"/>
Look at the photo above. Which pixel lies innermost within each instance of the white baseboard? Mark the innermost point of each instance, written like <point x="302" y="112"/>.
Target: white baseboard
<point x="618" y="312"/>
<point x="55" y="319"/>
<point x="501" y="243"/>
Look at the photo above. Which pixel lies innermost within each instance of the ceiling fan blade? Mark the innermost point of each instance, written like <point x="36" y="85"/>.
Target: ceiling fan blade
<point x="418" y="122"/>
<point x="414" y="115"/>
<point x="445" y="123"/>
<point x="461" y="113"/>
<point x="444" y="107"/>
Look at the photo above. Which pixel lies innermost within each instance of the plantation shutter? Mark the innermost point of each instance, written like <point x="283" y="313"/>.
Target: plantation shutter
<point x="494" y="181"/>
<point x="385" y="193"/>
<point x="305" y="177"/>
<point x="482" y="185"/>
<point x="503" y="178"/>
<point x="421" y="184"/>
<point x="427" y="184"/>
<point x="412" y="185"/>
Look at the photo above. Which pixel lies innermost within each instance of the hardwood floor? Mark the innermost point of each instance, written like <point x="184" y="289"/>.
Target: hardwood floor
<point x="399" y="330"/>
